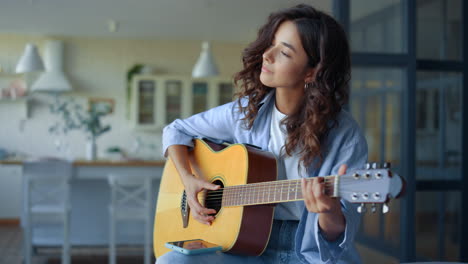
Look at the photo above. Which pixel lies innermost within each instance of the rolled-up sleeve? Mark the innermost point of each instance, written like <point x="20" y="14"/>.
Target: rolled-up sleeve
<point x="215" y="124"/>
<point x="313" y="247"/>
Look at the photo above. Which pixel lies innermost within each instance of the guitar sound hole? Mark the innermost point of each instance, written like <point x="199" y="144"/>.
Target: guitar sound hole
<point x="213" y="198"/>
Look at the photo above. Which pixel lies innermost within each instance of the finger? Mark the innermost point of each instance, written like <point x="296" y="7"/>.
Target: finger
<point x="311" y="201"/>
<point x="205" y="210"/>
<point x="195" y="205"/>
<point x="200" y="209"/>
<point x="305" y="194"/>
<point x="204" y="219"/>
<point x="210" y="186"/>
<point x="317" y="188"/>
<point x="303" y="188"/>
<point x="342" y="169"/>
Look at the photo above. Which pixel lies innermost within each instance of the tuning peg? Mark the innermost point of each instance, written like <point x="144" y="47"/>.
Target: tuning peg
<point x="361" y="208"/>
<point x="387" y="165"/>
<point x="368" y="166"/>
<point x="385" y="208"/>
<point x="375" y="165"/>
<point x="373" y="208"/>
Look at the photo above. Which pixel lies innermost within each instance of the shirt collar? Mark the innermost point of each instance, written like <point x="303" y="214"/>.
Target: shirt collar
<point x="267" y="97"/>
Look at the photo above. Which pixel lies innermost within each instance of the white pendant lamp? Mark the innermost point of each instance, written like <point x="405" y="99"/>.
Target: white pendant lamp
<point x="30" y="61"/>
<point x="205" y="66"/>
<point x="54" y="78"/>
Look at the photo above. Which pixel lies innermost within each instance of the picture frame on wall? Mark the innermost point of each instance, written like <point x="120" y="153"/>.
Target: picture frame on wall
<point x="101" y="105"/>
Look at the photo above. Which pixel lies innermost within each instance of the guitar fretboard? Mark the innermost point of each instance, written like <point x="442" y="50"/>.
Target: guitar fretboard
<point x="269" y="192"/>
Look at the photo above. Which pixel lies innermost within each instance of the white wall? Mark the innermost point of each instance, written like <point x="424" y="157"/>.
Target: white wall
<point x="97" y="68"/>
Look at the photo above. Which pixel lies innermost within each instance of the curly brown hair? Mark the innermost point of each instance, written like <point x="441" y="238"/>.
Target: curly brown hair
<point x="327" y="49"/>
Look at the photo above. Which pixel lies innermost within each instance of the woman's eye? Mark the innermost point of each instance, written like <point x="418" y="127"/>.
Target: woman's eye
<point x="285" y="54"/>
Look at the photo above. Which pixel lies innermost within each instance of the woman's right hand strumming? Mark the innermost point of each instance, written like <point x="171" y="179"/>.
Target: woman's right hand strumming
<point x="192" y="184"/>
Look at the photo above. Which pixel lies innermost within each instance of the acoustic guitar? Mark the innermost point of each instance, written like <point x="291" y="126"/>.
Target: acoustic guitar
<point x="249" y="190"/>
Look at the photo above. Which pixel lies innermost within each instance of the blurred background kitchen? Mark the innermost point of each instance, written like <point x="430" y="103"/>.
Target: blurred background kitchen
<point x="94" y="82"/>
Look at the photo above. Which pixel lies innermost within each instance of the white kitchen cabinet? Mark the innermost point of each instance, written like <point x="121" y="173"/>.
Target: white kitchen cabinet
<point x="10" y="191"/>
<point x="158" y="100"/>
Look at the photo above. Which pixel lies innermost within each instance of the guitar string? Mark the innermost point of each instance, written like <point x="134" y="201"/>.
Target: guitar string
<point x="232" y="196"/>
<point x="247" y="191"/>
<point x="330" y="178"/>
<point x="266" y="184"/>
<point x="256" y="197"/>
<point x="282" y="183"/>
<point x="232" y="203"/>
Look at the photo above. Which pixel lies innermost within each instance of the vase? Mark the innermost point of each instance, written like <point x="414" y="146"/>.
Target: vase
<point x="91" y="149"/>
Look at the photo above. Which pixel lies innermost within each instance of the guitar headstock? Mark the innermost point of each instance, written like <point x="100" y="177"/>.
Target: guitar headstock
<point x="372" y="185"/>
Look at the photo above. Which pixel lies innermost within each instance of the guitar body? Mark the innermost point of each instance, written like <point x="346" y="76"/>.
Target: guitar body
<point x="238" y="229"/>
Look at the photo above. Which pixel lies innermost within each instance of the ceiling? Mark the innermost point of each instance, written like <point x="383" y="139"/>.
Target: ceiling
<point x="216" y="20"/>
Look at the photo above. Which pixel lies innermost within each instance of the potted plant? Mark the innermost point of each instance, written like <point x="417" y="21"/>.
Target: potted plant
<point x="72" y="116"/>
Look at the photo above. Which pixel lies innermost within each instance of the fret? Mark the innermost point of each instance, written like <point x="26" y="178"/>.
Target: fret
<point x="244" y="198"/>
<point x="254" y="187"/>
<point x="283" y="193"/>
<point x="252" y="194"/>
<point x="297" y="182"/>
<point x="241" y="195"/>
<point x="268" y="191"/>
<point x="274" y="192"/>
<point x="258" y="194"/>
<point x="280" y="192"/>
<point x="271" y="191"/>
<point x="263" y="190"/>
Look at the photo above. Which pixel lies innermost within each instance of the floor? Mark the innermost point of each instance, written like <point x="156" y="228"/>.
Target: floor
<point x="11" y="251"/>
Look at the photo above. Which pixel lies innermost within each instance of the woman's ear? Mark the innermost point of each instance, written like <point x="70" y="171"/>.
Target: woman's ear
<point x="310" y="75"/>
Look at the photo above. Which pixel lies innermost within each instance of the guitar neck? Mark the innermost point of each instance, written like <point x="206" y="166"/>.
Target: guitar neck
<point x="269" y="192"/>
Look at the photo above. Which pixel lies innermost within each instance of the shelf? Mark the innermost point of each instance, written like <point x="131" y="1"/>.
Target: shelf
<point x="6" y="102"/>
<point x="14" y="100"/>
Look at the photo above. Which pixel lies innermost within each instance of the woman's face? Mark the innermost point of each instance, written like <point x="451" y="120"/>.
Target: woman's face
<point x="285" y="61"/>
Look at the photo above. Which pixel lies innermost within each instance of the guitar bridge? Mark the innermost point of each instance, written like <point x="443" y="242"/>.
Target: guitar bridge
<point x="184" y="210"/>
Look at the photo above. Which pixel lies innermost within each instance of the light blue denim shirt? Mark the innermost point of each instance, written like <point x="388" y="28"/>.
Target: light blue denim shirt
<point x="345" y="144"/>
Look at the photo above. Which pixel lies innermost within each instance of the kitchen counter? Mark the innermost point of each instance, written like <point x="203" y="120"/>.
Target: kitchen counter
<point x="117" y="163"/>
<point x="90" y="198"/>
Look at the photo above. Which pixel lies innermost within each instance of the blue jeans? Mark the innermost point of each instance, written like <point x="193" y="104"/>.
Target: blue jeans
<point x="280" y="249"/>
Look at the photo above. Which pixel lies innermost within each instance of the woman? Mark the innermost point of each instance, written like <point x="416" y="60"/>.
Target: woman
<point x="293" y="87"/>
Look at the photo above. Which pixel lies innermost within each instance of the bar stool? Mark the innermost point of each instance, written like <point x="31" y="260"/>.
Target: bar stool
<point x="46" y="192"/>
<point x="130" y="200"/>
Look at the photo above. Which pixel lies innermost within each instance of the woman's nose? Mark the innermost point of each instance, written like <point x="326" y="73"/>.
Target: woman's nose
<point x="267" y="56"/>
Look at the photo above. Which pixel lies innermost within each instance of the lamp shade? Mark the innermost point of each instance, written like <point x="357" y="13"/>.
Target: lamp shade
<point x="205" y="66"/>
<point x="30" y="61"/>
<point x="54" y="78"/>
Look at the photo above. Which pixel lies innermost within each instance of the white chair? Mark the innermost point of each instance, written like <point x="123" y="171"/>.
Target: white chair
<point x="46" y="192"/>
<point x="130" y="200"/>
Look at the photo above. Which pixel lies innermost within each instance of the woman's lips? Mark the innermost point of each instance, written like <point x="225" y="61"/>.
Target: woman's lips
<point x="265" y="70"/>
